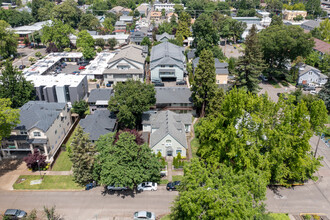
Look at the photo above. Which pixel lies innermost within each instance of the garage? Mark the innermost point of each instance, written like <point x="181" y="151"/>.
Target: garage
<point x="168" y="79"/>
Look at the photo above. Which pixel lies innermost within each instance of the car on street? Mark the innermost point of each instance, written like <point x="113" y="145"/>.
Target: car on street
<point x="21" y="67"/>
<point x="181" y="82"/>
<point x="144" y="215"/>
<point x="309" y="88"/>
<point x="117" y="187"/>
<point x="313" y="92"/>
<point x="263" y="78"/>
<point x="15" y="214"/>
<point x="159" y="84"/>
<point x="147" y="186"/>
<point x="172" y="185"/>
<point x="82" y="67"/>
<point x="75" y="72"/>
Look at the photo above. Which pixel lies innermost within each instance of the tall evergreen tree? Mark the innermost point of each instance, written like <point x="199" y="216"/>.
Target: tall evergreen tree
<point x="203" y="86"/>
<point x="82" y="157"/>
<point x="15" y="87"/>
<point x="251" y="65"/>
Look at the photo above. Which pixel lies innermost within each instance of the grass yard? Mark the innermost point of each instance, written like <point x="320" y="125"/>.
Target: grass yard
<point x="49" y="182"/>
<point x="63" y="162"/>
<point x="177" y="178"/>
<point x="194" y="147"/>
<point x="163" y="181"/>
<point x="166" y="217"/>
<point x="279" y="216"/>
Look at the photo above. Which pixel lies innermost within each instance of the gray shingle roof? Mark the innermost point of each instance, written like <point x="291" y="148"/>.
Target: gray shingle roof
<point x="311" y="24"/>
<point x="220" y="68"/>
<point x="100" y="123"/>
<point x="120" y="23"/>
<point x="167" y="123"/>
<point x="164" y="35"/>
<point x="100" y="94"/>
<point x="130" y="52"/>
<point x="39" y="114"/>
<point x="308" y="68"/>
<point x="167" y="54"/>
<point x="173" y="95"/>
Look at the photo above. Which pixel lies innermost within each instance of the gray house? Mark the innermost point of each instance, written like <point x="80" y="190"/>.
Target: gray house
<point x="100" y="123"/>
<point x="164" y="37"/>
<point x="98" y="99"/>
<point x="176" y="99"/>
<point x="309" y="74"/>
<point x="221" y="70"/>
<point x="137" y="37"/>
<point x="310" y="25"/>
<point x="168" y="132"/>
<point x="43" y="126"/>
<point x="167" y="62"/>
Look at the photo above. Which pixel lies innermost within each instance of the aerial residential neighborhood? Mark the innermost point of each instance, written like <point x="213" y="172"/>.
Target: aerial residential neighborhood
<point x="174" y="109"/>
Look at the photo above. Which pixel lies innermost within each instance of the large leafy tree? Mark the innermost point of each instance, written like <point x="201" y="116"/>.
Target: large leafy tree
<point x="323" y="31"/>
<point x="282" y="43"/>
<point x="57" y="33"/>
<point x="86" y="42"/>
<point x="8" y="40"/>
<point x="252" y="131"/>
<point x="210" y="191"/>
<point x="82" y="157"/>
<point x="131" y="99"/>
<point x="203" y="85"/>
<point x="125" y="162"/>
<point x="80" y="108"/>
<point x="324" y="94"/>
<point x="250" y="65"/>
<point x="313" y="8"/>
<point x="16" y="18"/>
<point x="89" y="22"/>
<point x="9" y="118"/>
<point x="68" y="13"/>
<point x="15" y="87"/>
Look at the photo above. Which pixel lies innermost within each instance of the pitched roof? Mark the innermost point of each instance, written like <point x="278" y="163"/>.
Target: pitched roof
<point x="173" y="95"/>
<point x="100" y="94"/>
<point x="120" y="23"/>
<point x="321" y="46"/>
<point x="130" y="52"/>
<point x="39" y="114"/>
<point x="167" y="53"/>
<point x="164" y="35"/>
<point x="100" y="123"/>
<point x="167" y="123"/>
<point x="306" y="68"/>
<point x="311" y="23"/>
<point x="220" y="68"/>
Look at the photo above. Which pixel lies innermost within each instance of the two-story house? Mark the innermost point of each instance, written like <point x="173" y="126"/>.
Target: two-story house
<point x="126" y="19"/>
<point x="120" y="27"/>
<point x="167" y="62"/>
<point x="98" y="99"/>
<point x="128" y="63"/>
<point x="309" y="74"/>
<point x="176" y="99"/>
<point x="167" y="132"/>
<point x="137" y="37"/>
<point x="43" y="125"/>
<point x="221" y="70"/>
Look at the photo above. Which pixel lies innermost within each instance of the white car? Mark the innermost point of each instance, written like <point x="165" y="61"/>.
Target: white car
<point x="313" y="92"/>
<point x="147" y="186"/>
<point x="144" y="215"/>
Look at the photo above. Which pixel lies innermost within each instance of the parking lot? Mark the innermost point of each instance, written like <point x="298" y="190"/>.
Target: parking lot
<point x="70" y="68"/>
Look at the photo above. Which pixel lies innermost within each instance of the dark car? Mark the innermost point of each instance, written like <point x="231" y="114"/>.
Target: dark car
<point x="181" y="82"/>
<point x="64" y="64"/>
<point x="21" y="67"/>
<point x="117" y="187"/>
<point x="82" y="62"/>
<point x="90" y="185"/>
<point x="309" y="88"/>
<point x="159" y="84"/>
<point x="15" y="214"/>
<point x="172" y="185"/>
<point x="75" y="72"/>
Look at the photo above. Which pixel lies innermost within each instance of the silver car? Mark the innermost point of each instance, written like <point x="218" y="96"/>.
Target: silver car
<point x="144" y="215"/>
<point x="116" y="187"/>
<point x="15" y="213"/>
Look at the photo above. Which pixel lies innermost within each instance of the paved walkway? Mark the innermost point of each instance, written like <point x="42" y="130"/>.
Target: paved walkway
<point x="192" y="136"/>
<point x="169" y="168"/>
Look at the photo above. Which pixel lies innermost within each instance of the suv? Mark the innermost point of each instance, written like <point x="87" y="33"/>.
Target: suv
<point x="172" y="185"/>
<point x="117" y="187"/>
<point x="147" y="186"/>
<point x="181" y="82"/>
<point x="15" y="214"/>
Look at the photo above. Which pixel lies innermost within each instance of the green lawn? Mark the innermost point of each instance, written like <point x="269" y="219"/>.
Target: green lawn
<point x="63" y="162"/>
<point x="166" y="217"/>
<point x="177" y="178"/>
<point x="279" y="216"/>
<point x="49" y="182"/>
<point x="163" y="181"/>
<point x="194" y="147"/>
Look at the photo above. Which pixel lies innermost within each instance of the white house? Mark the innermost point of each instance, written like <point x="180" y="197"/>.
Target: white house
<point x="167" y="132"/>
<point x="159" y="6"/>
<point x="308" y="74"/>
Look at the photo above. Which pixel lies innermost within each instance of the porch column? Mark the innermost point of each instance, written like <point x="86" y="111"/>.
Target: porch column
<point x="31" y="148"/>
<point x="46" y="151"/>
<point x="16" y="145"/>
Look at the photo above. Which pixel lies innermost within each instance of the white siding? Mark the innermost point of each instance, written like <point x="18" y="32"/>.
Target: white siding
<point x="175" y="146"/>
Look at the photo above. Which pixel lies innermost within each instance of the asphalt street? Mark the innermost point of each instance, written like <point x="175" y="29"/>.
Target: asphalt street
<point x="90" y="204"/>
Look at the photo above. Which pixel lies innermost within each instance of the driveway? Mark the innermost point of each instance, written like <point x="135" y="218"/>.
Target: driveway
<point x="26" y="53"/>
<point x="272" y="91"/>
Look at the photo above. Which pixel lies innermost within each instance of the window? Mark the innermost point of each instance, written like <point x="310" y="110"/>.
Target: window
<point x="162" y="66"/>
<point x="23" y="132"/>
<point x="36" y="134"/>
<point x="171" y="66"/>
<point x="178" y="151"/>
<point x="55" y="131"/>
<point x="168" y="141"/>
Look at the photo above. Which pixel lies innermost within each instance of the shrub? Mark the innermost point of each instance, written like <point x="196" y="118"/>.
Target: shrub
<point x="31" y="160"/>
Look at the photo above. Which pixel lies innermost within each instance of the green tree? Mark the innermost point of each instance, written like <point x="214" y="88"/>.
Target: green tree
<point x="276" y="20"/>
<point x="163" y="12"/>
<point x="86" y="42"/>
<point x="324" y="30"/>
<point x="203" y="86"/>
<point x="15" y="87"/>
<point x="146" y="41"/>
<point x="207" y="192"/>
<point x="80" y="108"/>
<point x="324" y="94"/>
<point x="9" y="118"/>
<point x="100" y="42"/>
<point x="89" y="22"/>
<point x="214" y="105"/>
<point x="57" y="33"/>
<point x="16" y="18"/>
<point x="257" y="133"/>
<point x="99" y="6"/>
<point x="125" y="162"/>
<point x="313" y="8"/>
<point x="131" y="99"/>
<point x="82" y="157"/>
<point x="51" y="214"/>
<point x="250" y="65"/>
<point x="108" y="25"/>
<point x="112" y="43"/>
<point x="68" y="13"/>
<point x="8" y="40"/>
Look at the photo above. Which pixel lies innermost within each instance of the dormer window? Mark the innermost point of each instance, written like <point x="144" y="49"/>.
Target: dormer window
<point x="36" y="134"/>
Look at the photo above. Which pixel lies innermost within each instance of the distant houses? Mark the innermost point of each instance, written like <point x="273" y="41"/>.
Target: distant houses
<point x="309" y="74"/>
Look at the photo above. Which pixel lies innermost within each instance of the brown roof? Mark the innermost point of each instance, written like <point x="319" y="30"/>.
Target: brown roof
<point x="321" y="46"/>
<point x="156" y="14"/>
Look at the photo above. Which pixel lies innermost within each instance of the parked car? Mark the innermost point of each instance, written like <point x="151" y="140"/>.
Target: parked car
<point x="64" y="64"/>
<point x="156" y="81"/>
<point x="117" y="187"/>
<point x="313" y="92"/>
<point x="172" y="185"/>
<point x="263" y="78"/>
<point x="159" y="84"/>
<point x="21" y="46"/>
<point x="75" y="72"/>
<point x="15" y="213"/>
<point x="90" y="185"/>
<point x="21" y="67"/>
<point x="147" y="186"/>
<point x="181" y="82"/>
<point x="162" y="173"/>
<point x="309" y="88"/>
<point x="84" y="64"/>
<point x="144" y="215"/>
<point x="82" y="67"/>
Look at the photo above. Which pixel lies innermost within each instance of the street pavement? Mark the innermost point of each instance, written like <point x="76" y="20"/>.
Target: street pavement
<point x="26" y="53"/>
<point x="90" y="204"/>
